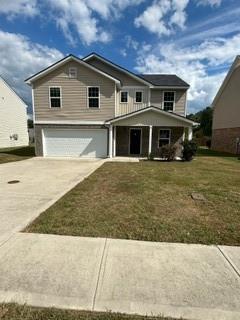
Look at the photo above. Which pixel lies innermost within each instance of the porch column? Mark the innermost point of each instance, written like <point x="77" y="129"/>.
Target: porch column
<point x="190" y="133"/>
<point x="114" y="141"/>
<point x="110" y="141"/>
<point x="150" y="140"/>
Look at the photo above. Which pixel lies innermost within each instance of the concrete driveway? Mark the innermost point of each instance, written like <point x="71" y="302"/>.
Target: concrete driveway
<point x="42" y="182"/>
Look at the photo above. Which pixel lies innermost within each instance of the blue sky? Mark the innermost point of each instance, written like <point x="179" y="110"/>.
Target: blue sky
<point x="196" y="39"/>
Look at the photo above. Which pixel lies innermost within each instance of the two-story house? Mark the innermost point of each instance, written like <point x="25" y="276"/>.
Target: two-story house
<point x="92" y="107"/>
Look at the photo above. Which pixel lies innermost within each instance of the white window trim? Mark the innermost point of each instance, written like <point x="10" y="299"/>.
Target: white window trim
<point x="170" y="135"/>
<point x="129" y="140"/>
<point x="127" y="96"/>
<point x="173" y="110"/>
<point x="99" y="95"/>
<point x="135" y="96"/>
<point x="72" y="68"/>
<point x="49" y="97"/>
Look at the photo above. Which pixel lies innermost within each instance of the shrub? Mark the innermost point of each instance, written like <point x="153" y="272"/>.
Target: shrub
<point x="167" y="152"/>
<point x="189" y="150"/>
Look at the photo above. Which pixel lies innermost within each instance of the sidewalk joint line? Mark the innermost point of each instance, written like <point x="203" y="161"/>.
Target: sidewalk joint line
<point x="229" y="261"/>
<point x="99" y="273"/>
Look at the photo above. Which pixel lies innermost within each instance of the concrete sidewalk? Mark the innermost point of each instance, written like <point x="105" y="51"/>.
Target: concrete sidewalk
<point x="42" y="182"/>
<point x="178" y="280"/>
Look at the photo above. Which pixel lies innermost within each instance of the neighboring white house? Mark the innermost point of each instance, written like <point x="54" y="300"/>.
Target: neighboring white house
<point x="13" y="118"/>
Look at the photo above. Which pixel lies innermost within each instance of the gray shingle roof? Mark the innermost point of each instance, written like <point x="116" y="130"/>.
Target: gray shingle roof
<point x="170" y="80"/>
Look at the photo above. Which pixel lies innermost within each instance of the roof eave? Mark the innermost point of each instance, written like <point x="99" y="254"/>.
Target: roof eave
<point x="95" y="55"/>
<point x="56" y="65"/>
<point x="176" y="116"/>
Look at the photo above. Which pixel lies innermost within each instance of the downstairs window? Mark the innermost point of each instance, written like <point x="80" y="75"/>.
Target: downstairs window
<point x="164" y="137"/>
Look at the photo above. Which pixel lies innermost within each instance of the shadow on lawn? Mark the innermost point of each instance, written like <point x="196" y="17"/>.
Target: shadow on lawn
<point x="205" y="152"/>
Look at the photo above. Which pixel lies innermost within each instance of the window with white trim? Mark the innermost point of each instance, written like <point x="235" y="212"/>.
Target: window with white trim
<point x="124" y="97"/>
<point x="72" y="73"/>
<point x="93" y="97"/>
<point x="55" y="97"/>
<point x="138" y="96"/>
<point x="164" y="137"/>
<point x="168" y="100"/>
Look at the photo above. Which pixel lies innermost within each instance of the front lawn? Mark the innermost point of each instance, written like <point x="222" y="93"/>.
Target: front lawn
<point x="152" y="201"/>
<point x="18" y="312"/>
<point x="16" y="154"/>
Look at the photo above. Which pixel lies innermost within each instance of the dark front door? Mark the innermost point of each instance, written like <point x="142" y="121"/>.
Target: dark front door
<point x="135" y="141"/>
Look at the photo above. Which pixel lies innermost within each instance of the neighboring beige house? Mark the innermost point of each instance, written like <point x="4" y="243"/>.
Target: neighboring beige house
<point x="226" y="112"/>
<point x="13" y="118"/>
<point x="92" y="107"/>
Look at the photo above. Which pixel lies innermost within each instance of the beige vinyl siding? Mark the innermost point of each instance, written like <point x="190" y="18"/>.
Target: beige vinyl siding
<point x="227" y="108"/>
<point x="156" y="99"/>
<point x="153" y="118"/>
<point x="131" y="105"/>
<point x="122" y="76"/>
<point x="13" y="118"/>
<point x="74" y="95"/>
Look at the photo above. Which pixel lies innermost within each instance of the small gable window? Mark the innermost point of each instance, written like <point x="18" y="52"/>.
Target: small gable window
<point x="168" y="100"/>
<point x="93" y="97"/>
<point x="55" y="97"/>
<point x="164" y="137"/>
<point x="139" y="96"/>
<point x="72" y="73"/>
<point x="124" y="97"/>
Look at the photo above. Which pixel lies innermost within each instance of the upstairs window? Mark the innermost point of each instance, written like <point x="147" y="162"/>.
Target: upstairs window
<point x="164" y="137"/>
<point x="139" y="97"/>
<point x="124" y="97"/>
<point x="168" y="100"/>
<point x="55" y="97"/>
<point x="72" y="73"/>
<point x="93" y="97"/>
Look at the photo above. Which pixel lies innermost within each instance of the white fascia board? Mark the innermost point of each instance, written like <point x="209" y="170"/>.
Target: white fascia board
<point x="57" y="65"/>
<point x="13" y="91"/>
<point x="168" y="114"/>
<point x="225" y="81"/>
<point x="70" y="122"/>
<point x="119" y="68"/>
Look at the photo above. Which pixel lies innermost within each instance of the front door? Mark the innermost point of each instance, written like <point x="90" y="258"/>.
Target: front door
<point x="135" y="141"/>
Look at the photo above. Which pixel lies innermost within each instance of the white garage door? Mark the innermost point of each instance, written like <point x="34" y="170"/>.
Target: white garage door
<point x="75" y="143"/>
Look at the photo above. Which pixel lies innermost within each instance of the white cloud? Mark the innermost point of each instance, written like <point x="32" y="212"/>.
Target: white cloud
<point x="203" y="66"/>
<point x="20" y="58"/>
<point x="162" y="16"/>
<point x="13" y="8"/>
<point x="212" y="3"/>
<point x="73" y="14"/>
<point x="83" y="17"/>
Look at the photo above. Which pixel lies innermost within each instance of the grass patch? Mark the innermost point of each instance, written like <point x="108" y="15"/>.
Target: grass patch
<point x="16" y="154"/>
<point x="205" y="152"/>
<point x="152" y="201"/>
<point x="17" y="312"/>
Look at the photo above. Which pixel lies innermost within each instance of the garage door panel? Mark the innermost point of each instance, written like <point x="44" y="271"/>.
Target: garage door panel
<point x="76" y="143"/>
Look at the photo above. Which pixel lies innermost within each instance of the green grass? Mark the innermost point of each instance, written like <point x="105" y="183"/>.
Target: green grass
<point x="16" y="154"/>
<point x="205" y="152"/>
<point x="152" y="201"/>
<point x="17" y="312"/>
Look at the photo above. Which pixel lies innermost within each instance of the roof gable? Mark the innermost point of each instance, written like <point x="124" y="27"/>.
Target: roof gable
<point x="62" y="62"/>
<point x="5" y="83"/>
<point x="117" y="67"/>
<point x="236" y="64"/>
<point x="154" y="109"/>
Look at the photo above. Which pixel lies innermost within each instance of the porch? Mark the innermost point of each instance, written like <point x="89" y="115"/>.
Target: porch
<point x="140" y="141"/>
<point x="144" y="132"/>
